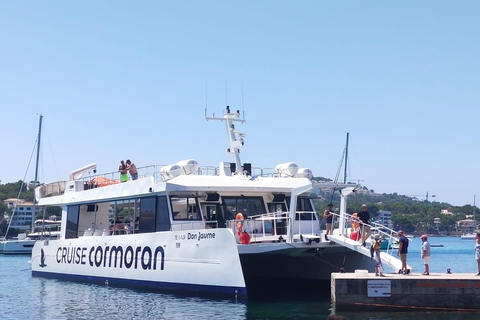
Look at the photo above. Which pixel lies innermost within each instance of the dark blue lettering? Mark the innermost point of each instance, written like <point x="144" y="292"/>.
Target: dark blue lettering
<point x="147" y="265"/>
<point x="118" y="251"/>
<point x="105" y="257"/>
<point x="157" y="250"/>
<point x="59" y="250"/>
<point x="83" y="255"/>
<point x="129" y="250"/>
<point x="137" y="251"/>
<point x="90" y="256"/>
<point x="64" y="255"/>
<point x="77" y="253"/>
<point x="98" y="254"/>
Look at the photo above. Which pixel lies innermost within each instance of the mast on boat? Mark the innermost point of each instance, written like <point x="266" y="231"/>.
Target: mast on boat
<point x="346" y="159"/>
<point x="235" y="138"/>
<point x="35" y="181"/>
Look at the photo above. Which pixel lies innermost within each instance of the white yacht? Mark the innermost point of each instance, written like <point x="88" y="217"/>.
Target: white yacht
<point x="229" y="229"/>
<point x="23" y="243"/>
<point x="468" y="236"/>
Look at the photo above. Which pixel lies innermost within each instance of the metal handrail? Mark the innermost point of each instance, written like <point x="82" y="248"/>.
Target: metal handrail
<point x="389" y="234"/>
<point x="250" y="227"/>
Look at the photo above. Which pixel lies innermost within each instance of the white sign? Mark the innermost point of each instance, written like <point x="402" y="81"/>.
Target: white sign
<point x="379" y="288"/>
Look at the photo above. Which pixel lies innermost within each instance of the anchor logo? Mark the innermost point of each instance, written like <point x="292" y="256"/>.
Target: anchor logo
<point x="42" y="259"/>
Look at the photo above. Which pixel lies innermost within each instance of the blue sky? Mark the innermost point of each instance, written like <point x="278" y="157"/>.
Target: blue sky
<point x="122" y="79"/>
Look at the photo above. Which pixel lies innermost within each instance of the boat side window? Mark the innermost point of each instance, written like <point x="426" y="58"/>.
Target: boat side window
<point x="124" y="216"/>
<point x="72" y="222"/>
<point x="163" y="218"/>
<point x="304" y="208"/>
<point x="185" y="208"/>
<point x="276" y="207"/>
<point x="147" y="215"/>
<point x="248" y="206"/>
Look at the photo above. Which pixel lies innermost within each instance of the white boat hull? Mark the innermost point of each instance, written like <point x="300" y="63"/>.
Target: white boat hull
<point x="17" y="246"/>
<point x="205" y="261"/>
<point x="299" y="265"/>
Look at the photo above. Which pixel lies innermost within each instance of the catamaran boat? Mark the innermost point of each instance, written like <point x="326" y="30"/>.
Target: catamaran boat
<point x="225" y="230"/>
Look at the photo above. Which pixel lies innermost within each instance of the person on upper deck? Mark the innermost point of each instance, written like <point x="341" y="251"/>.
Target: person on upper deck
<point x="132" y="169"/>
<point x="328" y="215"/>
<point x="364" y="216"/>
<point x="123" y="171"/>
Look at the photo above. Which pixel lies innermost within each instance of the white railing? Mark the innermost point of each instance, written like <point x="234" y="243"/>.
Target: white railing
<point x="273" y="226"/>
<point x="385" y="233"/>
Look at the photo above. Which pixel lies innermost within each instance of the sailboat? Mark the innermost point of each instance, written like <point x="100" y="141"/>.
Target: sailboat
<point x="22" y="244"/>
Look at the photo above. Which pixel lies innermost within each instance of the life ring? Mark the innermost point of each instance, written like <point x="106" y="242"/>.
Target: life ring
<point x="239" y="220"/>
<point x="355" y="222"/>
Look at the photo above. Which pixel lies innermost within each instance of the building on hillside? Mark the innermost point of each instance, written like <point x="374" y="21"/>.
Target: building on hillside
<point x="12" y="202"/>
<point x="446" y="212"/>
<point x="24" y="214"/>
<point x="466" y="226"/>
<point x="385" y="218"/>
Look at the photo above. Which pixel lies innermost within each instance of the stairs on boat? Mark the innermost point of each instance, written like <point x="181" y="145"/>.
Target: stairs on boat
<point x="353" y="245"/>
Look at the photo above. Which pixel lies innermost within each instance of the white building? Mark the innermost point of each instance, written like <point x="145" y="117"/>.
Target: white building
<point x="23" y="213"/>
<point x="466" y="226"/>
<point x="385" y="218"/>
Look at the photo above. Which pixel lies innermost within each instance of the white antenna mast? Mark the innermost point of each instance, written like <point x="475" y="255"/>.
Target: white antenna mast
<point x="235" y="138"/>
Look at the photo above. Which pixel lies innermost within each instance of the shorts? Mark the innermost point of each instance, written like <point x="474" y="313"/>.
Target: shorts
<point x="477" y="255"/>
<point x="426" y="260"/>
<point x="329" y="227"/>
<point x="403" y="257"/>
<point x="134" y="176"/>
<point x="124" y="177"/>
<point x="365" y="229"/>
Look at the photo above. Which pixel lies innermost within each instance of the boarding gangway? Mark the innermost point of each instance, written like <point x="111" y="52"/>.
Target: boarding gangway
<point x="342" y="236"/>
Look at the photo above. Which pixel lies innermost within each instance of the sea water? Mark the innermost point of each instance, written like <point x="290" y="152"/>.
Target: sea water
<point x="25" y="297"/>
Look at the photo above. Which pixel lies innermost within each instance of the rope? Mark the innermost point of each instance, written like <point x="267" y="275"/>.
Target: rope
<point x="20" y="191"/>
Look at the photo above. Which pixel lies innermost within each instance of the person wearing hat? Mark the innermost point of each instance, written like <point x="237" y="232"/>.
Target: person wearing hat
<point x="402" y="250"/>
<point x="376" y="249"/>
<point x="426" y="254"/>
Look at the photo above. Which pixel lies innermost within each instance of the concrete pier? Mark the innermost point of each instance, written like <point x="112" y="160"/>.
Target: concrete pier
<point x="352" y="291"/>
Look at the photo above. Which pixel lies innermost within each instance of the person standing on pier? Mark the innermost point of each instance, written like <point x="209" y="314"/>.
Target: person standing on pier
<point x="477" y="251"/>
<point x="402" y="250"/>
<point x="364" y="216"/>
<point x="376" y="249"/>
<point x="425" y="251"/>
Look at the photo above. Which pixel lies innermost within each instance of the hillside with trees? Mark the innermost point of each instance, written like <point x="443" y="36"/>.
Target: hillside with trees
<point x="408" y="213"/>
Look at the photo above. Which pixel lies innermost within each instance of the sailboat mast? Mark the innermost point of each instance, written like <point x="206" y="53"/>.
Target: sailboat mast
<point x="346" y="159"/>
<point x="38" y="152"/>
<point x="35" y="181"/>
